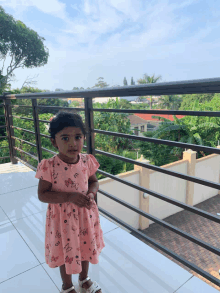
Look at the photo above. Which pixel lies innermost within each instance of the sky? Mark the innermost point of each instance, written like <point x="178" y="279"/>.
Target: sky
<point x="113" y="39"/>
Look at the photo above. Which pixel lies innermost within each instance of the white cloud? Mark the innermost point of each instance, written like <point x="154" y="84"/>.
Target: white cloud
<point x="147" y="45"/>
<point x="53" y="7"/>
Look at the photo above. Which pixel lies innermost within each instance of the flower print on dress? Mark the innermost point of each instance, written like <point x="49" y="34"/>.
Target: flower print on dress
<point x="83" y="232"/>
<point x="67" y="247"/>
<point x="69" y="214"/>
<point x="58" y="235"/>
<point x="75" y="217"/>
<point x="75" y="175"/>
<point x="58" y="243"/>
<point x="73" y="183"/>
<point x="68" y="260"/>
<point x="74" y="229"/>
<point x="54" y="175"/>
<point x="54" y="258"/>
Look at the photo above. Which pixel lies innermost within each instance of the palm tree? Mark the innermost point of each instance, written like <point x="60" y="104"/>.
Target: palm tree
<point x="149" y="79"/>
<point x="171" y="102"/>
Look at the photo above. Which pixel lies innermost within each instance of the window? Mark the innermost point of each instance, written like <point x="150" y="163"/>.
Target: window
<point x="136" y="131"/>
<point x="142" y="128"/>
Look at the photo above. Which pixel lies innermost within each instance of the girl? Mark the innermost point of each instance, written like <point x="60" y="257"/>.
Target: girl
<point x="68" y="184"/>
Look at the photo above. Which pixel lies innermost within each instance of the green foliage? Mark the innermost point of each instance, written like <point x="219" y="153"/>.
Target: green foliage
<point x="118" y="122"/>
<point x="190" y="129"/>
<point x="188" y="100"/>
<point x="22" y="44"/>
<point x="171" y="102"/>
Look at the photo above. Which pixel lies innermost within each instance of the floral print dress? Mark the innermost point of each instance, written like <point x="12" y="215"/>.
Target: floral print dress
<point x="73" y="234"/>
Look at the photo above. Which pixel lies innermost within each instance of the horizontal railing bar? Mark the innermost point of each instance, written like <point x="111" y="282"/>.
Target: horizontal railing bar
<point x="162" y="170"/>
<point x="3" y="126"/>
<point x="163" y="197"/>
<point x="5" y="157"/>
<point x="46" y="107"/>
<point x="4" y="136"/>
<point x="162" y="112"/>
<point x="161" y="141"/>
<point x="19" y="117"/>
<point x="163" y="223"/>
<point x="211" y="85"/>
<point x="4" y="147"/>
<point x="2" y="115"/>
<point x="2" y="105"/>
<point x="23" y="129"/>
<point x="22" y="140"/>
<point x="25" y="163"/>
<point x="155" y="111"/>
<point x="21" y="151"/>
<point x="163" y="248"/>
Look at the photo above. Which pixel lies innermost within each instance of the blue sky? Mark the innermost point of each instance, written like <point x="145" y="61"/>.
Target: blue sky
<point x="113" y="39"/>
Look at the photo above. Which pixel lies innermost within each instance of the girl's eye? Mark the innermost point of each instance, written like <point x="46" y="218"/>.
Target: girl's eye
<point x="76" y="137"/>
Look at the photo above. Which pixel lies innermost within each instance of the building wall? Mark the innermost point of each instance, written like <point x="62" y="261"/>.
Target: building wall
<point x="173" y="187"/>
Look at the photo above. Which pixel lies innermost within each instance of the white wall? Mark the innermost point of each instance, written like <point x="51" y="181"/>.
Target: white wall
<point x="208" y="169"/>
<point x="123" y="192"/>
<point x="170" y="186"/>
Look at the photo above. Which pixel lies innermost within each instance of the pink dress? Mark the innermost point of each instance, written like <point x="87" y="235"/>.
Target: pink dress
<point x="73" y="234"/>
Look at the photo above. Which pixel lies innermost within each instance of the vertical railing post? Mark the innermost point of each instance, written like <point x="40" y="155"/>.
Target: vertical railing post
<point x="37" y="130"/>
<point x="89" y="122"/>
<point x="9" y="129"/>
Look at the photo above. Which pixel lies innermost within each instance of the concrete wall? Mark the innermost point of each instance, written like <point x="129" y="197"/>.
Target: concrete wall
<point x="206" y="168"/>
<point x="169" y="186"/>
<point x="179" y="189"/>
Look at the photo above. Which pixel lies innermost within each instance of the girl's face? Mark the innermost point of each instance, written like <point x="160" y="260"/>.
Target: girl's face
<point x="69" y="139"/>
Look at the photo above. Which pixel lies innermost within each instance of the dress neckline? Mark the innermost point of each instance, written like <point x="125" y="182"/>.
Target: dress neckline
<point x="70" y="164"/>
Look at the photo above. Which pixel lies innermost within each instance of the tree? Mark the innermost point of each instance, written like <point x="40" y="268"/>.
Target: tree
<point x="22" y="45"/>
<point x="132" y="81"/>
<point x="125" y="81"/>
<point x="171" y="102"/>
<point x="29" y="81"/>
<point x="149" y="79"/>
<point x="100" y="83"/>
<point x="190" y="129"/>
<point x="188" y="100"/>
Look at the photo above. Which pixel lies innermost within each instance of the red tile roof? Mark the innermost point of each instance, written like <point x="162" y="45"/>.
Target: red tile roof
<point x="149" y="116"/>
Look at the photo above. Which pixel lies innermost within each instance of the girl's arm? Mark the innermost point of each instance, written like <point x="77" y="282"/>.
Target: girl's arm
<point x="93" y="185"/>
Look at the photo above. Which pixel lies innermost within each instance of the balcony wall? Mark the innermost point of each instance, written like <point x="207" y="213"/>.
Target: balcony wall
<point x="176" y="188"/>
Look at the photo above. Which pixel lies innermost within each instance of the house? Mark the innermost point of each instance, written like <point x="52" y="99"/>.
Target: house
<point x="103" y="99"/>
<point x="144" y="122"/>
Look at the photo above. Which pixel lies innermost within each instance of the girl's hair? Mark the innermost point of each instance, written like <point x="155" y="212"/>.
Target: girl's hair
<point x="64" y="119"/>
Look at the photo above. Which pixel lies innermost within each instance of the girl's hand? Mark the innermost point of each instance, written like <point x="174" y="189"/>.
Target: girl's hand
<point x="80" y="199"/>
<point x="91" y="196"/>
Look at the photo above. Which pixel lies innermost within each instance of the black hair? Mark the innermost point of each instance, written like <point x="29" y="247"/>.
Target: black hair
<point x="63" y="119"/>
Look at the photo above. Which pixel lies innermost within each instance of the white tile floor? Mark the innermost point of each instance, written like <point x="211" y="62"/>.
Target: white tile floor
<point x="126" y="264"/>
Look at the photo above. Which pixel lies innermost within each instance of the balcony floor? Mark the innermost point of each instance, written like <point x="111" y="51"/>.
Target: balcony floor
<point x="126" y="264"/>
<point x="198" y="227"/>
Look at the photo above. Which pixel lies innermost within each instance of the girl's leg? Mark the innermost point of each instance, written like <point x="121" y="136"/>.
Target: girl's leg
<point x="84" y="274"/>
<point x="85" y="268"/>
<point x="67" y="279"/>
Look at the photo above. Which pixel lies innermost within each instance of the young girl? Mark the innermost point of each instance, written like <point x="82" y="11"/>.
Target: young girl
<point x="68" y="184"/>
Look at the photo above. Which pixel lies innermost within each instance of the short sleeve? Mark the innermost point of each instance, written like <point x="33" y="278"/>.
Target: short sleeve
<point x="44" y="171"/>
<point x="93" y="165"/>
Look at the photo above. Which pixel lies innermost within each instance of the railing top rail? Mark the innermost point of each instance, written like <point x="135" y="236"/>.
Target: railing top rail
<point x="210" y="85"/>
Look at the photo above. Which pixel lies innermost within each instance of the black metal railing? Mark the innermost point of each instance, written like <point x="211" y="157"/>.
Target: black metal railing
<point x="182" y="87"/>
